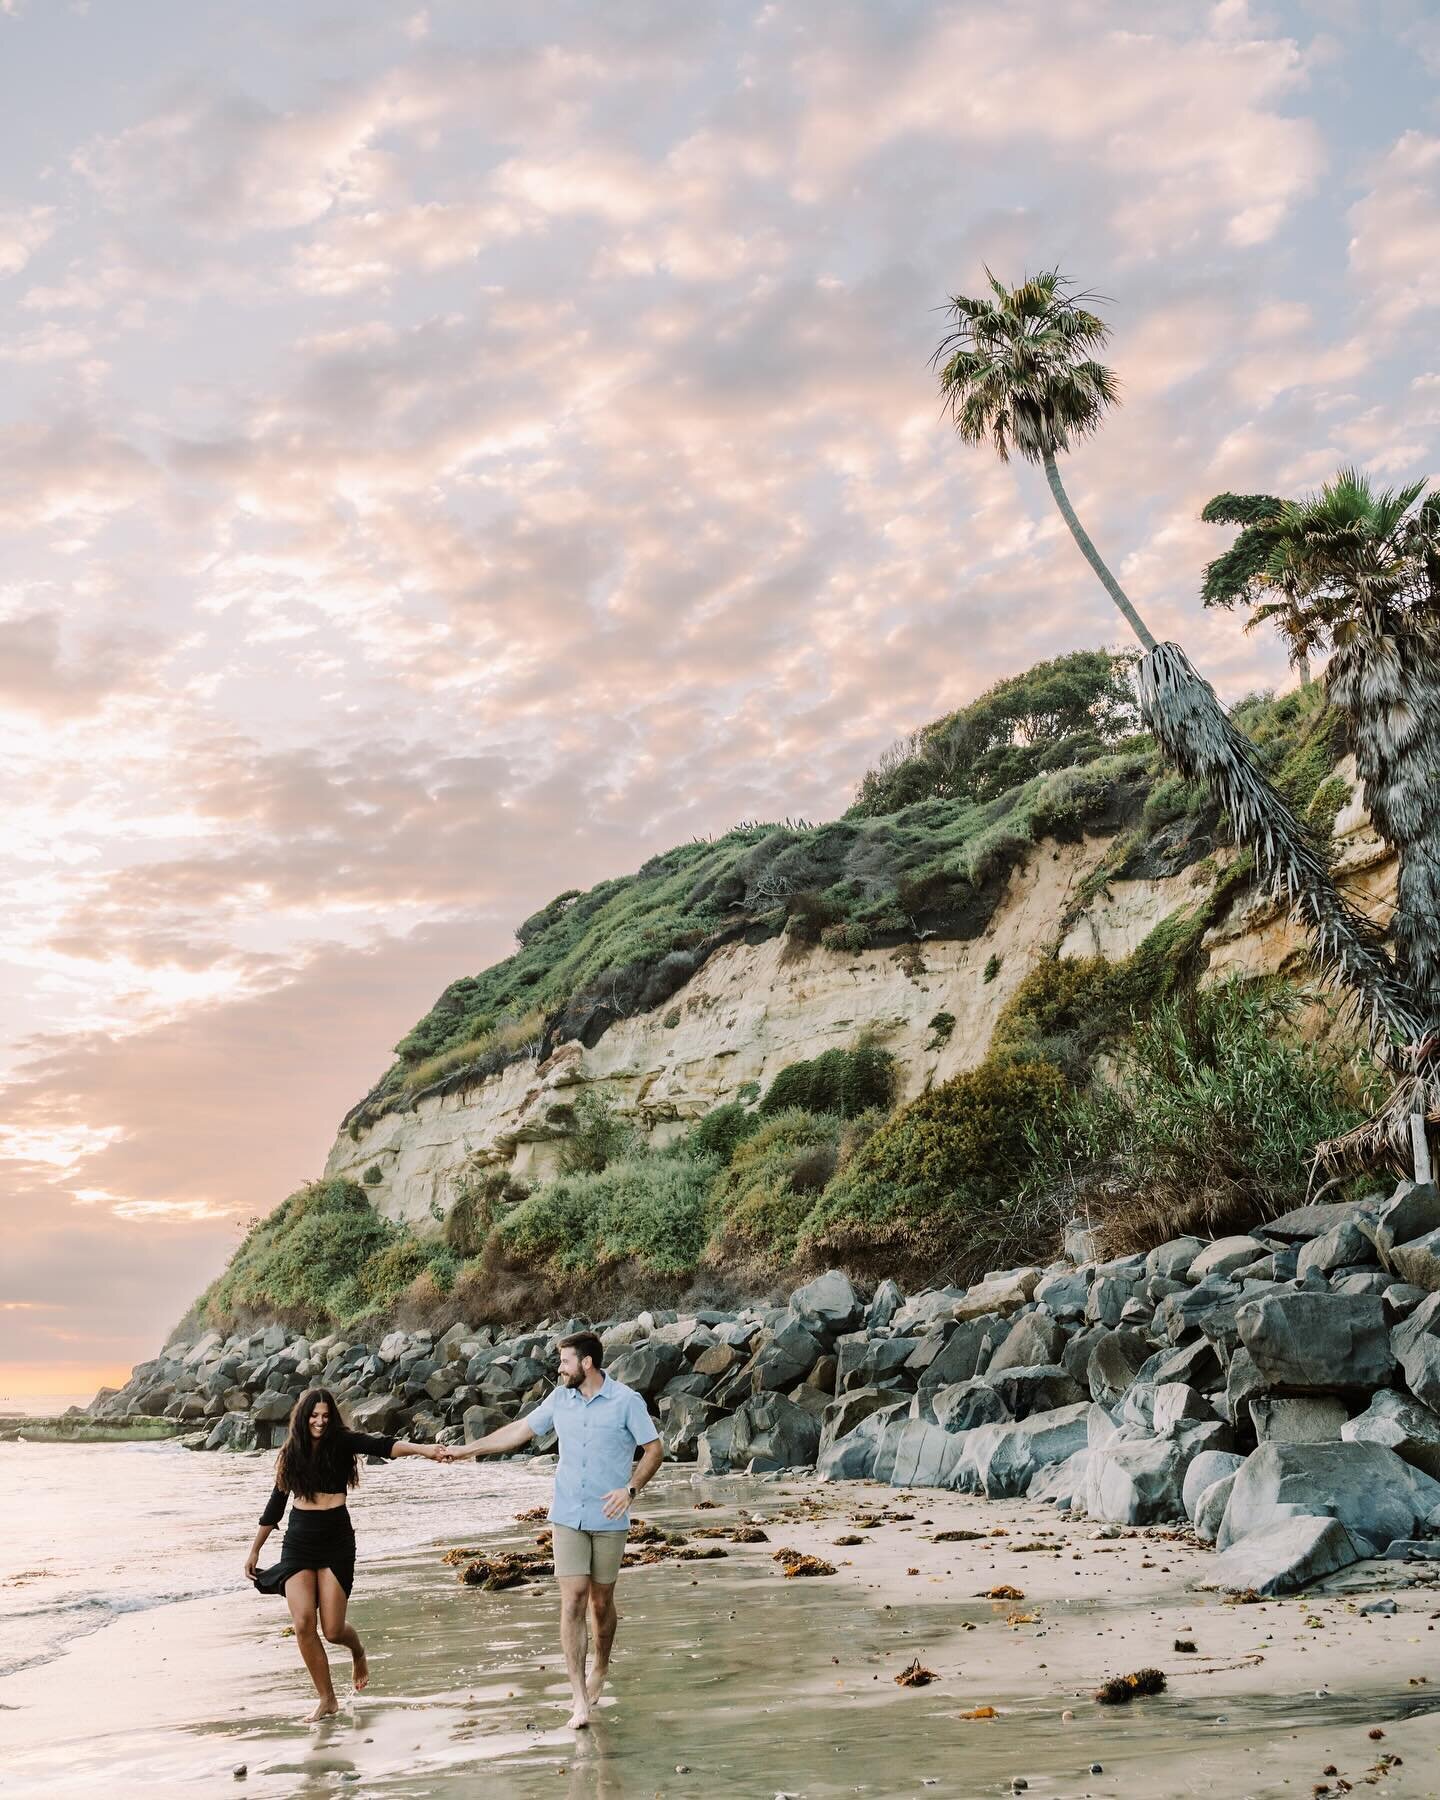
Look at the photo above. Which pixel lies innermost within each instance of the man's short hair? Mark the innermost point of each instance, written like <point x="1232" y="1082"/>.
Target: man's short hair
<point x="585" y="1343"/>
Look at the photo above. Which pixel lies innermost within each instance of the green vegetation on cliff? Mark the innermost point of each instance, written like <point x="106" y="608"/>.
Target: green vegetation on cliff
<point x="822" y="1166"/>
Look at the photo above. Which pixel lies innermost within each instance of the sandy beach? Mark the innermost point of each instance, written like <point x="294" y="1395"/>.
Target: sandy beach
<point x="730" y="1679"/>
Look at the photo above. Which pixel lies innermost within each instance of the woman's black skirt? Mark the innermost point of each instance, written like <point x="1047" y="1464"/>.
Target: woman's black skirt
<point x="315" y="1538"/>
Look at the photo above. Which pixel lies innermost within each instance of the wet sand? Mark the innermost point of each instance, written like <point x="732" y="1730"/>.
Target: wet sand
<point x="731" y="1680"/>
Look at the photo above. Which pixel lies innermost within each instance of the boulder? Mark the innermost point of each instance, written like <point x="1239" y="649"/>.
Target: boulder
<point x="1063" y="1293"/>
<point x="1114" y="1364"/>
<point x="273" y="1407"/>
<point x="1107" y="1298"/>
<point x="1298" y="1419"/>
<point x="1343" y="1246"/>
<point x="647" y="1367"/>
<point x="842" y="1415"/>
<point x="884" y="1304"/>
<point x="684" y="1418"/>
<point x="872" y="1361"/>
<point x="1208" y="1467"/>
<point x="787" y="1359"/>
<point x="772" y="1433"/>
<point x="233" y="1431"/>
<point x="924" y="1455"/>
<point x="1173" y="1259"/>
<point x="1304" y="1342"/>
<point x="1416" y="1346"/>
<point x="1411" y="1212"/>
<point x="854" y="1457"/>
<point x="1222" y="1256"/>
<point x="1001" y="1460"/>
<point x="963" y="1406"/>
<point x="715" y="1447"/>
<point x="1284" y="1556"/>
<point x="1177" y="1405"/>
<point x="380" y="1415"/>
<point x="1137" y="1483"/>
<point x="1081" y="1242"/>
<point x="1210" y="1507"/>
<point x="967" y="1352"/>
<point x="1417" y="1261"/>
<point x="717" y="1360"/>
<point x="1411" y="1430"/>
<point x="827" y="1305"/>
<point x="480" y="1421"/>
<point x="1002" y="1293"/>
<point x="1061" y="1484"/>
<point x="1197" y="1365"/>
<point x="1314" y="1220"/>
<point x="1037" y="1390"/>
<point x="1035" y="1338"/>
<point x="1366" y="1486"/>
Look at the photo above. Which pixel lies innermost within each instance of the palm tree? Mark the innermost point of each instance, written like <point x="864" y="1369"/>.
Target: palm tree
<point x="1233" y="576"/>
<point x="1017" y="369"/>
<point x="1356" y="571"/>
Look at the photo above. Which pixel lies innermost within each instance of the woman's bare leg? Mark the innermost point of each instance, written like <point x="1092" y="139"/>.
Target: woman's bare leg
<point x="302" y="1598"/>
<point x="333" y="1601"/>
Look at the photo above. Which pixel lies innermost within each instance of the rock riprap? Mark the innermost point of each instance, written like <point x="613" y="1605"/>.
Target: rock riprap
<point x="1279" y="1389"/>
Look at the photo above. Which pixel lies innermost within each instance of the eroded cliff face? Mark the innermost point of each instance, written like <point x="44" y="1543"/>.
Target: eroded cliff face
<point x="751" y="1010"/>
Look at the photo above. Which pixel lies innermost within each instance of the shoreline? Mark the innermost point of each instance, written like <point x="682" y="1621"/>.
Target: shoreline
<point x="757" y="1684"/>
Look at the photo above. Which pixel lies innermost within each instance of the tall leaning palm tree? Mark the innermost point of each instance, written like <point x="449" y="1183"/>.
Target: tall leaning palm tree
<point x="1018" y="369"/>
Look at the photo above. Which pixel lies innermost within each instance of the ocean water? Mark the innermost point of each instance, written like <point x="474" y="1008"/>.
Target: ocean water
<point x="94" y="1531"/>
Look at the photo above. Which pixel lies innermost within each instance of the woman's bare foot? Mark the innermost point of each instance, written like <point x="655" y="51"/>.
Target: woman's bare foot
<point x="324" y="1709"/>
<point x="362" y="1668"/>
<point x="580" y="1718"/>
<point x="595" y="1686"/>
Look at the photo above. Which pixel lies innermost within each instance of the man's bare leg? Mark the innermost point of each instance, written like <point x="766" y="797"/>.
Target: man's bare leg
<point x="574" y="1640"/>
<point x="603" y="1620"/>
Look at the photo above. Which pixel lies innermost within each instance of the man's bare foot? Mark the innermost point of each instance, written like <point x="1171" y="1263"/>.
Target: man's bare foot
<point x="362" y="1668"/>
<point x="325" y="1709"/>
<point x="580" y="1718"/>
<point x="595" y="1686"/>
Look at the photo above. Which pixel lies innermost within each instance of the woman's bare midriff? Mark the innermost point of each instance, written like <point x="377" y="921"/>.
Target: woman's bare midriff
<point x="321" y="1503"/>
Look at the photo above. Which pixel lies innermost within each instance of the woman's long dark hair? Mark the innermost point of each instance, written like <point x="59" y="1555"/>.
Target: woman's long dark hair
<point x="307" y="1466"/>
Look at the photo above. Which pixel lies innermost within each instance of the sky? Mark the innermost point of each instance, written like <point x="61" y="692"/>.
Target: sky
<point x="450" y="455"/>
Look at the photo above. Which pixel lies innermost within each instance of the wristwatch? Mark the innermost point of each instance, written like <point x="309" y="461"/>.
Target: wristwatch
<point x="632" y="1493"/>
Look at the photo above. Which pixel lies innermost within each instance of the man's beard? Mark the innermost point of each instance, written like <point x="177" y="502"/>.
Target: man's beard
<point x="571" y="1380"/>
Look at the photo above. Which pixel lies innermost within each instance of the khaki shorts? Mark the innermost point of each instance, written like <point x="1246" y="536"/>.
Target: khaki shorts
<point x="593" y="1553"/>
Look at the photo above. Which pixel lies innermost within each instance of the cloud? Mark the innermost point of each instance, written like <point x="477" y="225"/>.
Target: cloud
<point x="22" y="234"/>
<point x="42" y="674"/>
<point x="1395" y="242"/>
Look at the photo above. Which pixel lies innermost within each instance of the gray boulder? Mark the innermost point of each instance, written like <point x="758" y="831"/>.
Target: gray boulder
<point x="772" y="1433"/>
<point x="273" y="1407"/>
<point x="1222" y="1256"/>
<point x="1063" y="1293"/>
<point x="787" y="1359"/>
<point x="924" y="1455"/>
<point x="480" y="1421"/>
<point x="1417" y="1261"/>
<point x="1037" y="1390"/>
<point x="827" y="1305"/>
<point x="1411" y="1430"/>
<point x="233" y="1431"/>
<point x="1412" y="1211"/>
<point x="843" y="1414"/>
<point x="1304" y="1342"/>
<point x="1001" y="1460"/>
<point x="1177" y="1405"/>
<point x="1034" y="1339"/>
<point x="1314" y="1220"/>
<point x="1284" y="1556"/>
<point x="1342" y="1246"/>
<point x="684" y="1417"/>
<point x="967" y="1351"/>
<point x="715" y="1446"/>
<point x="1366" y="1486"/>
<point x="381" y="1414"/>
<point x="1416" y="1345"/>
<point x="1298" y="1419"/>
<point x="1004" y="1292"/>
<point x="1173" y="1259"/>
<point x="1210" y="1507"/>
<point x="965" y="1405"/>
<point x="1210" y="1466"/>
<point x="884" y="1304"/>
<point x="853" y="1457"/>
<point x="647" y="1367"/>
<point x="1139" y="1482"/>
<point x="1114" y="1364"/>
<point x="1061" y="1484"/>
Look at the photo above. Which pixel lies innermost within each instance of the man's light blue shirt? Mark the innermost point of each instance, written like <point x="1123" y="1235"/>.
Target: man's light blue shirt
<point x="598" y="1440"/>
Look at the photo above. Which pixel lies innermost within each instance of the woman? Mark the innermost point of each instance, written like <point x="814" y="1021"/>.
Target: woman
<point x="316" y="1570"/>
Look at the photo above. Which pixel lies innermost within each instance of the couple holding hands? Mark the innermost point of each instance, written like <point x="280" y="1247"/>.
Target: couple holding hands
<point x="601" y="1425"/>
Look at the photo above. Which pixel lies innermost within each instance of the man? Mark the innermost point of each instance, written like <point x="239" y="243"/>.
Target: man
<point x="600" y="1424"/>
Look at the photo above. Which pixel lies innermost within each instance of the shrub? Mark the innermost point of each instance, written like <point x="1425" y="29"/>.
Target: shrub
<point x="295" y="1262"/>
<point x="721" y="1131"/>
<point x="480" y="1198"/>
<point x="555" y="1225"/>
<point x="992" y="968"/>
<point x="935" y="1180"/>
<point x="372" y="1176"/>
<point x="942" y="1026"/>
<point x="774" y="1178"/>
<point x="845" y="1082"/>
<point x="380" y="1282"/>
<point x="656" y="1209"/>
<point x="1210" y="1126"/>
<point x="848" y="938"/>
<point x="599" y="1137"/>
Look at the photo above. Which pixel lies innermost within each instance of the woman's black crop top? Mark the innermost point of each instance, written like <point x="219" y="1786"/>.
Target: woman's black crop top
<point x="356" y="1443"/>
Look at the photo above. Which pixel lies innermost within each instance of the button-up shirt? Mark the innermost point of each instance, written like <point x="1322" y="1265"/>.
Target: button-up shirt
<point x="599" y="1435"/>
